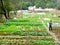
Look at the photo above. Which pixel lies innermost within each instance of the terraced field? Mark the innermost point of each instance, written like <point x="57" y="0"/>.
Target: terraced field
<point x="25" y="31"/>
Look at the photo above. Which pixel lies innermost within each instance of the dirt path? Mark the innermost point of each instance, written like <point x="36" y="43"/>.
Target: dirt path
<point x="51" y="33"/>
<point x="1" y="23"/>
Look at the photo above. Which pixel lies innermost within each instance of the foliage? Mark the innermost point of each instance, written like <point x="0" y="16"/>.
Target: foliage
<point x="24" y="4"/>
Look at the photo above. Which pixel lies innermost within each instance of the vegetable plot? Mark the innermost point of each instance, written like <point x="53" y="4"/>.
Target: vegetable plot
<point x="26" y="31"/>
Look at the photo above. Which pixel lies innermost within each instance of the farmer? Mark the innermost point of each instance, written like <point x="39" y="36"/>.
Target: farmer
<point x="50" y="25"/>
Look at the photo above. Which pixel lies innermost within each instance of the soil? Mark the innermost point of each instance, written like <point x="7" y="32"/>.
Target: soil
<point x="1" y="23"/>
<point x="57" y="33"/>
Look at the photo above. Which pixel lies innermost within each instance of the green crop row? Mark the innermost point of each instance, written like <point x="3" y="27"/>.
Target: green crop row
<point x="42" y="42"/>
<point x="32" y="42"/>
<point x="31" y="33"/>
<point x="30" y="37"/>
<point x="21" y="20"/>
<point x="31" y="28"/>
<point x="16" y="31"/>
<point x="24" y="23"/>
<point x="27" y="28"/>
<point x="8" y="29"/>
<point x="26" y="20"/>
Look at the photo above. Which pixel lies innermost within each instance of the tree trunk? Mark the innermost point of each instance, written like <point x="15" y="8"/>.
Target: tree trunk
<point x="0" y="16"/>
<point x="0" y="10"/>
<point x="4" y="11"/>
<point x="5" y="15"/>
<point x="8" y="15"/>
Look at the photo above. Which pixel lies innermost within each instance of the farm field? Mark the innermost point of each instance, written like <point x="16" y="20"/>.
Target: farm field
<point x="28" y="30"/>
<point x="29" y="22"/>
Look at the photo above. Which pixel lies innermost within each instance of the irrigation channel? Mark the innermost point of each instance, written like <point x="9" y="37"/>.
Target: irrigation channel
<point x="52" y="34"/>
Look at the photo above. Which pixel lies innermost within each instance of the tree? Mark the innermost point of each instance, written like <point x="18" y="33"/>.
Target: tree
<point x="5" y="8"/>
<point x="58" y="4"/>
<point x="8" y="5"/>
<point x="3" y="11"/>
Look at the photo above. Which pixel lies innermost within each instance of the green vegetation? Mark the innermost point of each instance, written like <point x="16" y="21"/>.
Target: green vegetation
<point x="27" y="29"/>
<point x="10" y="5"/>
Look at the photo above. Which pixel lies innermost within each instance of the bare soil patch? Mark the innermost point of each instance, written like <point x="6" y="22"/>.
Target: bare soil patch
<point x="57" y="33"/>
